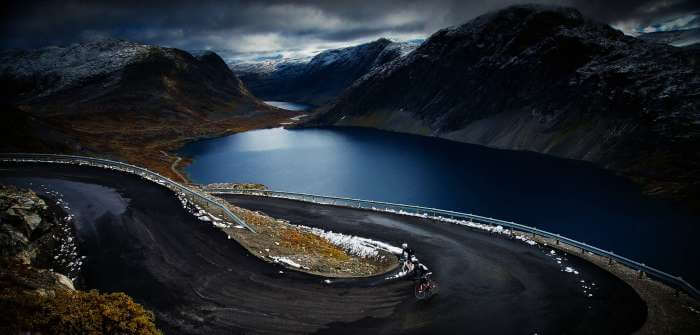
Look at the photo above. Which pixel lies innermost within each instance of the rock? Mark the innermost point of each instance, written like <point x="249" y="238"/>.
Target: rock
<point x="27" y="255"/>
<point x="64" y="281"/>
<point x="41" y="292"/>
<point x="11" y="240"/>
<point x="33" y="221"/>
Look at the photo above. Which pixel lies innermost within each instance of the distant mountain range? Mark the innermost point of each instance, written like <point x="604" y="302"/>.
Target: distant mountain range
<point x="543" y="79"/>
<point x="679" y="38"/>
<point x="319" y="79"/>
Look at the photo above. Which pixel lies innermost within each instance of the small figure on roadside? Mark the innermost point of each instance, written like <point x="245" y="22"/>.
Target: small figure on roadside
<point x="406" y="253"/>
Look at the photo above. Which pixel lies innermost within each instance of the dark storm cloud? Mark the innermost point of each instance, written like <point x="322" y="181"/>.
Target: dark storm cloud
<point x="250" y="26"/>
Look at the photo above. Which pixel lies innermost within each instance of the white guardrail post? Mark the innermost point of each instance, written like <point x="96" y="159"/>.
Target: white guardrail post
<point x="643" y="270"/>
<point x="144" y="173"/>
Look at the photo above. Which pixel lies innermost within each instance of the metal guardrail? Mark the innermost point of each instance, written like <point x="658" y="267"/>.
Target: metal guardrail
<point x="142" y="172"/>
<point x="426" y="212"/>
<point x="433" y="213"/>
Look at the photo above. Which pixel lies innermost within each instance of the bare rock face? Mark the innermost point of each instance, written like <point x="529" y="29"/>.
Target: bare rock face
<point x="37" y="234"/>
<point x="549" y="80"/>
<point x="20" y="222"/>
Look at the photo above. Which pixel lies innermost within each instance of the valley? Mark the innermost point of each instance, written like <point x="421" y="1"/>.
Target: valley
<point x="537" y="164"/>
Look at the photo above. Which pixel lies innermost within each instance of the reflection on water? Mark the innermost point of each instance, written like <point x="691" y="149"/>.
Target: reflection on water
<point x="288" y="105"/>
<point x="568" y="197"/>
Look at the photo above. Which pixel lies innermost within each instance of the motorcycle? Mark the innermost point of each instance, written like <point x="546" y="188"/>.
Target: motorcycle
<point x="426" y="288"/>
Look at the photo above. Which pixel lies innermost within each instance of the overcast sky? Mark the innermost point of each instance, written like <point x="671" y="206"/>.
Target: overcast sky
<point x="264" y="26"/>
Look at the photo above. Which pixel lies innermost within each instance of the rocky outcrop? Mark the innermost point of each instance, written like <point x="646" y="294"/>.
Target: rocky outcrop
<point x="35" y="297"/>
<point x="38" y="232"/>
<point x="549" y="80"/>
<point x="29" y="231"/>
<point x="323" y="77"/>
<point x="21" y="226"/>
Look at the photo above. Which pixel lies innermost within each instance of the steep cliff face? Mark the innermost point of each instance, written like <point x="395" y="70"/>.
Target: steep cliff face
<point x="323" y="77"/>
<point x="548" y="80"/>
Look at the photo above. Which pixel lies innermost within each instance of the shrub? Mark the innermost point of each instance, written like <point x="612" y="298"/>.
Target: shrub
<point x="73" y="312"/>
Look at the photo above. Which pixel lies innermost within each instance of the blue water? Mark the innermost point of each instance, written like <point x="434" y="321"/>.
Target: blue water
<point x="572" y="198"/>
<point x="288" y="105"/>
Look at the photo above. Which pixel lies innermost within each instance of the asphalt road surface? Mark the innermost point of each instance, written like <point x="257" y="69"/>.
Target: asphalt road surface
<point x="139" y="240"/>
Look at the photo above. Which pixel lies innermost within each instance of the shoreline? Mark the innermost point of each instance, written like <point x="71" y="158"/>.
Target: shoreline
<point x="174" y="152"/>
<point x="649" y="187"/>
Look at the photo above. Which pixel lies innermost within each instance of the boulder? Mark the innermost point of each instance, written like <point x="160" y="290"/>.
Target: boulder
<point x="64" y="281"/>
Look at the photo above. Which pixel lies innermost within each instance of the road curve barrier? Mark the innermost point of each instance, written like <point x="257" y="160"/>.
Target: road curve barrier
<point x="198" y="197"/>
<point x="439" y="214"/>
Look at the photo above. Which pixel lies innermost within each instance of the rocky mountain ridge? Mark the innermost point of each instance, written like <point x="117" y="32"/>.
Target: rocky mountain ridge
<point x="543" y="79"/>
<point x="323" y="77"/>
<point x="97" y="74"/>
<point x="678" y="38"/>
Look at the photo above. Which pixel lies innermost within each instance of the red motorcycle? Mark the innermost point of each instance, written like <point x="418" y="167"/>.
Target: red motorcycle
<point x="426" y="287"/>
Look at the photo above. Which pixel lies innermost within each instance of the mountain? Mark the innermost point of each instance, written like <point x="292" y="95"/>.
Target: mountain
<point x="322" y="78"/>
<point x="115" y="76"/>
<point x="679" y="38"/>
<point x="121" y="99"/>
<point x="548" y="80"/>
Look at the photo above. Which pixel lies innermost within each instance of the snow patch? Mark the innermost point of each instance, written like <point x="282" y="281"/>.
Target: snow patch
<point x="354" y="245"/>
<point x="287" y="261"/>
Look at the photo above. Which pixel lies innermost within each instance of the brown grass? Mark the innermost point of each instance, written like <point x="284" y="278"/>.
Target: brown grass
<point x="73" y="312"/>
<point x="278" y="238"/>
<point x="141" y="141"/>
<point x="306" y="242"/>
<point x="31" y="300"/>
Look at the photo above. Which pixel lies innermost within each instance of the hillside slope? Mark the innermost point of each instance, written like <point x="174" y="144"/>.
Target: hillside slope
<point x="121" y="99"/>
<point x="323" y="77"/>
<point x="548" y="80"/>
<point x="92" y="77"/>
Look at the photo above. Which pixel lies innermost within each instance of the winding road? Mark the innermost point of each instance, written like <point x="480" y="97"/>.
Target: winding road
<point x="139" y="240"/>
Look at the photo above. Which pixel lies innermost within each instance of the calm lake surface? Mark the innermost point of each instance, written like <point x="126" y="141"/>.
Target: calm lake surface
<point x="292" y="106"/>
<point x="568" y="197"/>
